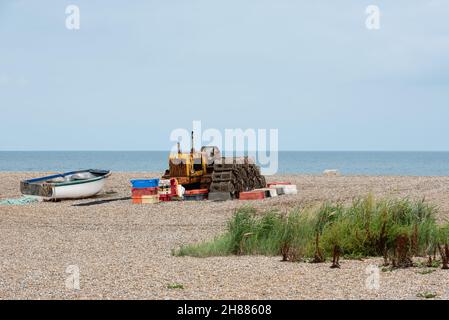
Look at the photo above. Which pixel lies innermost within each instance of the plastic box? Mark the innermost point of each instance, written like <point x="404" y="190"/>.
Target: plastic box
<point x="278" y="183"/>
<point x="252" y="195"/>
<point x="195" y="197"/>
<point x="137" y="192"/>
<point x="145" y="199"/>
<point x="145" y="183"/>
<point x="196" y="191"/>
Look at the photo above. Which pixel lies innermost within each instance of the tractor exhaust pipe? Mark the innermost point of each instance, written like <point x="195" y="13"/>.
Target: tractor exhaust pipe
<point x="192" y="149"/>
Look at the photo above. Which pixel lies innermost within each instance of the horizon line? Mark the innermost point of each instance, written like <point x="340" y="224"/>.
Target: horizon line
<point x="226" y="151"/>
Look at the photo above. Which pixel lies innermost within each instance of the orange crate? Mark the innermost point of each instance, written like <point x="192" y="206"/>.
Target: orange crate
<point x="196" y="191"/>
<point x="252" y="195"/>
<point x="145" y="199"/>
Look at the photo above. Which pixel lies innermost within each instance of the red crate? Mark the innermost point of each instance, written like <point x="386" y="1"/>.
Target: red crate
<point x="278" y="183"/>
<point x="196" y="191"/>
<point x="195" y="197"/>
<point x="171" y="189"/>
<point x="252" y="195"/>
<point x="165" y="197"/>
<point x="137" y="192"/>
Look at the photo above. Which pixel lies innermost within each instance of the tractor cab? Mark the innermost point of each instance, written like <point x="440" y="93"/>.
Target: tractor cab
<point x="212" y="153"/>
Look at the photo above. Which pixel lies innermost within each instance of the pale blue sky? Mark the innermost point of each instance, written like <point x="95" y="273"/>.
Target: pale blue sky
<point x="138" y="69"/>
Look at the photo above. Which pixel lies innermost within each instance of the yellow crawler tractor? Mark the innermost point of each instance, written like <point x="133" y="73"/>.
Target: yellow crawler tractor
<point x="224" y="177"/>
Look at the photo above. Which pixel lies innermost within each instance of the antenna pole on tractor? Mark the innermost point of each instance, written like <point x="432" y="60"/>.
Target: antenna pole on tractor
<point x="192" y="150"/>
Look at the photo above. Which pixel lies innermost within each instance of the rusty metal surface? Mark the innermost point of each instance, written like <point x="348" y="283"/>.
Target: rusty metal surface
<point x="42" y="190"/>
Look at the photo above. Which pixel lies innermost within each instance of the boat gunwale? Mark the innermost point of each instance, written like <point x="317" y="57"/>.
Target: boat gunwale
<point x="103" y="174"/>
<point x="70" y="183"/>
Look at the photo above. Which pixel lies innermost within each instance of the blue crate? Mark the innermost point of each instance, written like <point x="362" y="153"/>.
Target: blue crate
<point x="145" y="183"/>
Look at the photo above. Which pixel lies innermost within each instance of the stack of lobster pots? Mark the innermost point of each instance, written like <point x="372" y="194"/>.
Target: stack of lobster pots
<point x="145" y="191"/>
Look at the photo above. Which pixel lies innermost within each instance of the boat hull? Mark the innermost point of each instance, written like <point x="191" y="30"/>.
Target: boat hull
<point x="76" y="189"/>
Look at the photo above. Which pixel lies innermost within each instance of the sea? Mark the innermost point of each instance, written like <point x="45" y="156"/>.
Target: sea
<point x="297" y="162"/>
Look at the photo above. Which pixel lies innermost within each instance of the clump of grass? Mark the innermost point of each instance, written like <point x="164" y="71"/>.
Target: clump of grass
<point x="396" y="229"/>
<point x="386" y="269"/>
<point x="175" y="286"/>
<point x="426" y="271"/>
<point x="432" y="263"/>
<point x="441" y="243"/>
<point x="427" y="295"/>
<point x="232" y="241"/>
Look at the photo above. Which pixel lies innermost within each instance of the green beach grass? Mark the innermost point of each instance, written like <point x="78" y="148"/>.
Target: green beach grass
<point x="396" y="229"/>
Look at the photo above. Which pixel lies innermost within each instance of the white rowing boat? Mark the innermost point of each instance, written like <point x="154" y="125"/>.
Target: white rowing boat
<point x="69" y="185"/>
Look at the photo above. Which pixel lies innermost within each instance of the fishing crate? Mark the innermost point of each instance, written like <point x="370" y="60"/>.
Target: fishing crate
<point x="252" y="195"/>
<point x="269" y="192"/>
<point x="138" y="192"/>
<point x="165" y="197"/>
<point x="195" y="197"/>
<point x="285" y="188"/>
<point x="145" y="183"/>
<point x="196" y="194"/>
<point x="196" y="191"/>
<point x="168" y="187"/>
<point x="145" y="199"/>
<point x="278" y="183"/>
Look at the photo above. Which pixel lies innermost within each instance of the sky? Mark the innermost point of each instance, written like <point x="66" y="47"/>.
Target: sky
<point x="136" y="70"/>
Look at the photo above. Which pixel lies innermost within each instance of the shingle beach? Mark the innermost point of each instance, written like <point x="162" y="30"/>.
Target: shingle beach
<point x="124" y="251"/>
